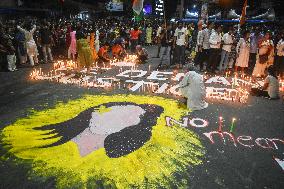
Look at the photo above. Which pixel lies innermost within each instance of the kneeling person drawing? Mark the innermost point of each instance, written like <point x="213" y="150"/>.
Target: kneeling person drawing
<point x="192" y="87"/>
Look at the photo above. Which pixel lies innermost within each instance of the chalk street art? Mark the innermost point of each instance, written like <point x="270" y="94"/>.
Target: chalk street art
<point x="280" y="162"/>
<point x="118" y="141"/>
<point x="243" y="140"/>
<point x="227" y="138"/>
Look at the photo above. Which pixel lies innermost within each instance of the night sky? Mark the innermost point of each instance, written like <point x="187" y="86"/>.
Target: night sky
<point x="171" y="5"/>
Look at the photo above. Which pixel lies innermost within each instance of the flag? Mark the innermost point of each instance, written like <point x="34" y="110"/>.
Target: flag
<point x="137" y="6"/>
<point x="244" y="13"/>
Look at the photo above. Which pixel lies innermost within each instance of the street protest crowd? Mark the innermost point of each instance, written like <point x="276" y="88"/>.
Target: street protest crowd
<point x="213" y="47"/>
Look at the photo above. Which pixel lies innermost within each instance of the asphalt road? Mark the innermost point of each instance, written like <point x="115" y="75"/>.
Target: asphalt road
<point x="249" y="164"/>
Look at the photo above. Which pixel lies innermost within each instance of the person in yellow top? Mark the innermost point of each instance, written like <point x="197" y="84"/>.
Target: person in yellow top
<point x="85" y="54"/>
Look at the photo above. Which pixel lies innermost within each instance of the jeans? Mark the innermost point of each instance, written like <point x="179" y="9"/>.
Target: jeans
<point x="179" y="56"/>
<point x="165" y="52"/>
<point x="47" y="52"/>
<point x="224" y="60"/>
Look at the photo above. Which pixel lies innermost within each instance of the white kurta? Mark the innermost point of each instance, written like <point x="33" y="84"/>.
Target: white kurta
<point x="30" y="42"/>
<point x="243" y="50"/>
<point x="192" y="87"/>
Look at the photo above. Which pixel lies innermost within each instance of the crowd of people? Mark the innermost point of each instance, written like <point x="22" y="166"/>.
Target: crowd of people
<point x="253" y="50"/>
<point x="31" y="41"/>
<point x="216" y="48"/>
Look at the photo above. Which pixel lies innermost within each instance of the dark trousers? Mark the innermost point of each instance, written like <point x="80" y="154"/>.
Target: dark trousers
<point x="279" y="65"/>
<point x="252" y="62"/>
<point x="142" y="58"/>
<point x="179" y="54"/>
<point x="259" y="92"/>
<point x="213" y="59"/>
<point x="3" y="61"/>
<point x="201" y="57"/>
<point x="134" y="43"/>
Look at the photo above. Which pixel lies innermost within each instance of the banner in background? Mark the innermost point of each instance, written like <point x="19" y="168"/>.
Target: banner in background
<point x="114" y="6"/>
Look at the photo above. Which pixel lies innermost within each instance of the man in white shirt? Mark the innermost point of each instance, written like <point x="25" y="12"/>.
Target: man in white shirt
<point x="180" y="41"/>
<point x="199" y="58"/>
<point x="215" y="45"/>
<point x="226" y="49"/>
<point x="202" y="47"/>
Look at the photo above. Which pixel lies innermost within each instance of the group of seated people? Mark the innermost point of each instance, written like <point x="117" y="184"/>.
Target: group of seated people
<point x="118" y="52"/>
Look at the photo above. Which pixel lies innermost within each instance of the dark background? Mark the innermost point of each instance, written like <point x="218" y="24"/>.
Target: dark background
<point x="255" y="6"/>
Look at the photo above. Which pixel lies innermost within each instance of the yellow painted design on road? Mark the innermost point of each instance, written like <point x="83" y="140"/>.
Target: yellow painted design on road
<point x="170" y="151"/>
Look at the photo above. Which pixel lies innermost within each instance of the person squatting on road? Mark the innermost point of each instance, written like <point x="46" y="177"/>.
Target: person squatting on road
<point x="192" y="87"/>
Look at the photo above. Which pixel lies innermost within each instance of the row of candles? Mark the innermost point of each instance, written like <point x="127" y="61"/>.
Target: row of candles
<point x="239" y="85"/>
<point x="239" y="95"/>
<point x="235" y="95"/>
<point x="149" y="87"/>
<point x="232" y="126"/>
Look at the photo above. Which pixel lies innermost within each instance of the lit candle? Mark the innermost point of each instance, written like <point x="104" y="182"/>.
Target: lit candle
<point x="232" y="125"/>
<point x="220" y="124"/>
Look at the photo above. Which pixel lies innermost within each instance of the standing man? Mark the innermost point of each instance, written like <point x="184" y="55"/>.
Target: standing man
<point x="158" y="36"/>
<point x="254" y="38"/>
<point x="226" y="49"/>
<point x="215" y="45"/>
<point x="203" y="46"/>
<point x="46" y="42"/>
<point x="166" y="40"/>
<point x="180" y="41"/>
<point x="7" y="48"/>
